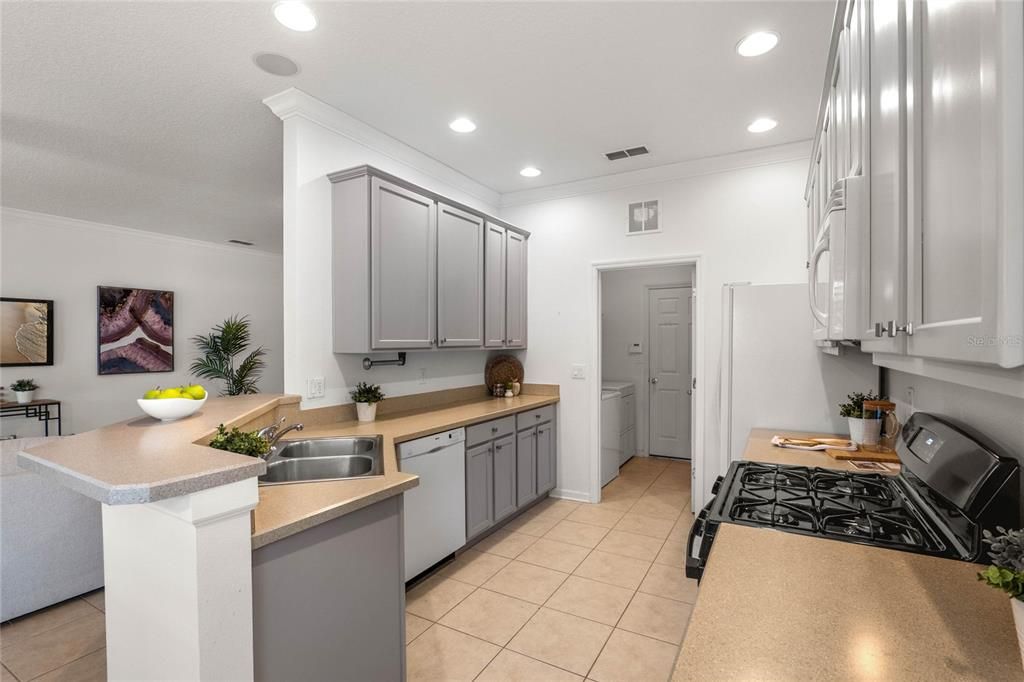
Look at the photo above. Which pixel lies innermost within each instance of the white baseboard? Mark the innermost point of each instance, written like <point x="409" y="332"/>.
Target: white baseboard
<point x="574" y="495"/>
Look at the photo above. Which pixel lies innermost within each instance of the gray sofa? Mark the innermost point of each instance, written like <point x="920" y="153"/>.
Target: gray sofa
<point x="51" y="539"/>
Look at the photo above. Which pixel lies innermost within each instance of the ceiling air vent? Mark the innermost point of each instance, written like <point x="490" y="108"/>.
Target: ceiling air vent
<point x="626" y="153"/>
<point x="240" y="242"/>
<point x="644" y="218"/>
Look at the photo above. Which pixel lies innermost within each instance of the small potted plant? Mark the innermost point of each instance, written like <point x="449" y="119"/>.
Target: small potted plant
<point x="23" y="390"/>
<point x="862" y="431"/>
<point x="242" y="442"/>
<point x="1007" y="573"/>
<point x="366" y="396"/>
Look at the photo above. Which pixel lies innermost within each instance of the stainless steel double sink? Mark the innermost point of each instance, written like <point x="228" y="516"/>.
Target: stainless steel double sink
<point x="324" y="459"/>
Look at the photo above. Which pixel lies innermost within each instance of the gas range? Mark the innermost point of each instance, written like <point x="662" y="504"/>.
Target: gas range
<point x="951" y="485"/>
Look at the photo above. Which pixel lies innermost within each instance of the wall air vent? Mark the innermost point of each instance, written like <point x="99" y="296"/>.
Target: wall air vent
<point x="626" y="153"/>
<point x="240" y="242"/>
<point x="644" y="218"/>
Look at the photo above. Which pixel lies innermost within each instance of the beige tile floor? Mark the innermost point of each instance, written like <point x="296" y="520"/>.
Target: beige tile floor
<point x="62" y="643"/>
<point x="568" y="591"/>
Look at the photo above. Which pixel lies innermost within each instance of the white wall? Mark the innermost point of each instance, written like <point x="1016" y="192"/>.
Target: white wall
<point x="999" y="417"/>
<point x="747" y="224"/>
<point x="311" y="151"/>
<point x="624" y="320"/>
<point x="65" y="260"/>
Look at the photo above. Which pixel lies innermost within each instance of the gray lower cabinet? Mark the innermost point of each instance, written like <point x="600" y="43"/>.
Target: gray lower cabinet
<point x="545" y="457"/>
<point x="460" y="278"/>
<point x="504" y="477"/>
<point x="526" y="466"/>
<point x="329" y="602"/>
<point x="490" y="474"/>
<point x="479" y="488"/>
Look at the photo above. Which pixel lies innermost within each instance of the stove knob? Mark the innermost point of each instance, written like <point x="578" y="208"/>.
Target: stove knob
<point x="716" y="485"/>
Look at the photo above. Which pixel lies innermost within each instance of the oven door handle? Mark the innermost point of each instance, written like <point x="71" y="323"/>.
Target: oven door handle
<point x="694" y="565"/>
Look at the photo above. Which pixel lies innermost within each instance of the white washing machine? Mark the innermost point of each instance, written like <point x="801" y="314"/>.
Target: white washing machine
<point x="627" y="417"/>
<point x="611" y="435"/>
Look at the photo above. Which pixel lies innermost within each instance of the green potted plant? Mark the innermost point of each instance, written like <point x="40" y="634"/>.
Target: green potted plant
<point x="862" y="431"/>
<point x="1007" y="572"/>
<point x="217" y="360"/>
<point x="242" y="442"/>
<point x="23" y="390"/>
<point x="366" y="396"/>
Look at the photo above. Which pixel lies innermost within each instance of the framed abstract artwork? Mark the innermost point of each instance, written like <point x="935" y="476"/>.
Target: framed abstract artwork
<point x="135" y="329"/>
<point x="26" y="332"/>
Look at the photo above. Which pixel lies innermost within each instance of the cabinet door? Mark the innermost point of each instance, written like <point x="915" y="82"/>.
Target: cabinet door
<point x="494" y="286"/>
<point x="460" y="278"/>
<point x="515" y="290"/>
<point x="526" y="466"/>
<point x="964" y="181"/>
<point x="504" y="477"/>
<point x="886" y="246"/>
<point x="545" y="457"/>
<point x="479" y="498"/>
<point x="403" y="261"/>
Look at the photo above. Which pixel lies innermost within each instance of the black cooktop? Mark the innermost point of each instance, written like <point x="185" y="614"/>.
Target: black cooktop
<point x="857" y="507"/>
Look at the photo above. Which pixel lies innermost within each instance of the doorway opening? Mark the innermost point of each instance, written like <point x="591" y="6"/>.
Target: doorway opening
<point x="647" y="354"/>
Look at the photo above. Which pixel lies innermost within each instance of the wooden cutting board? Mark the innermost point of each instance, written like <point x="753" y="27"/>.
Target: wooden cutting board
<point x="863" y="455"/>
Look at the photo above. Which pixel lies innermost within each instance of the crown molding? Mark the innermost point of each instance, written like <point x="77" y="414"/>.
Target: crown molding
<point x="62" y="222"/>
<point x="294" y="102"/>
<point x="753" y="158"/>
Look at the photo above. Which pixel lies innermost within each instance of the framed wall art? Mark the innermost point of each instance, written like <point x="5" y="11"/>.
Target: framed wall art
<point x="135" y="329"/>
<point x="26" y="332"/>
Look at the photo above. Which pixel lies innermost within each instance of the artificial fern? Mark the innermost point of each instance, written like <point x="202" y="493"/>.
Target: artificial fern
<point x="217" y="360"/>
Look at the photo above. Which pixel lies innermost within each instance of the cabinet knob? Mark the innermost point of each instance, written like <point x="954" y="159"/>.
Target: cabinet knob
<point x="444" y="340"/>
<point x="497" y="447"/>
<point x="892" y="329"/>
<point x="494" y="429"/>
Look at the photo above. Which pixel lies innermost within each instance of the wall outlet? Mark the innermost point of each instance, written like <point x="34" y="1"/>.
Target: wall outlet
<point x="315" y="387"/>
<point x="579" y="372"/>
<point x="422" y="374"/>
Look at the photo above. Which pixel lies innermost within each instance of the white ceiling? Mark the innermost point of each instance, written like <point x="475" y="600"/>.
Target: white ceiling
<point x="149" y="114"/>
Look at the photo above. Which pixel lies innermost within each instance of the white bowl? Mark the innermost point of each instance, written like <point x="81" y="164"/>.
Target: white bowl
<point x="170" y="409"/>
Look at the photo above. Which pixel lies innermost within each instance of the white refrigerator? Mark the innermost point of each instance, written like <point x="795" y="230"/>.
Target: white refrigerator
<point x="773" y="375"/>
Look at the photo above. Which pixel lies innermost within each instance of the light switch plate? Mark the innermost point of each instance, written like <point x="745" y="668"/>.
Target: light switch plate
<point x="579" y="372"/>
<point x="315" y="387"/>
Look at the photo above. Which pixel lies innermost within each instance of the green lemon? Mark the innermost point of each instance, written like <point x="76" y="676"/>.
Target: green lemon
<point x="168" y="393"/>
<point x="197" y="392"/>
<point x="151" y="395"/>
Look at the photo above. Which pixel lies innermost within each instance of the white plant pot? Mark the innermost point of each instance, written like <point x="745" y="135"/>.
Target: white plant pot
<point x="367" y="412"/>
<point x="24" y="396"/>
<point x="1017" y="606"/>
<point x="865" y="431"/>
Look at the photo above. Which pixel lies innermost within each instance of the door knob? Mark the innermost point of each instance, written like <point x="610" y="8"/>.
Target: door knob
<point x="689" y="391"/>
<point x="654" y="380"/>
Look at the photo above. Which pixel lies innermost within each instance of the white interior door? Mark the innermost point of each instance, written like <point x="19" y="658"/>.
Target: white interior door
<point x="669" y="315"/>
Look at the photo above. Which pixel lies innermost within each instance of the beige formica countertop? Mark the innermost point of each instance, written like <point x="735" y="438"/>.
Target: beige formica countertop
<point x="288" y="509"/>
<point x="780" y="606"/>
<point x="144" y="460"/>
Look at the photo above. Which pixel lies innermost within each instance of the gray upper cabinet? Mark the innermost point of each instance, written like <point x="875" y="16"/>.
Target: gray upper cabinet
<point x="460" y="278"/>
<point x="515" y="290"/>
<point x="494" y="286"/>
<point x="403" y="266"/>
<point x="412" y="270"/>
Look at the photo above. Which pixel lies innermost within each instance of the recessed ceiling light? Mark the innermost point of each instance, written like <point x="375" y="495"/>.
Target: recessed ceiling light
<point x="295" y="14"/>
<point x="462" y="125"/>
<point x="762" y="125"/>
<point x="530" y="172"/>
<point x="758" y="43"/>
<point x="275" y="64"/>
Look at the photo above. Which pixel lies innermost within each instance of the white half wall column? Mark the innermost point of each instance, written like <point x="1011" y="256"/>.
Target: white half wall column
<point x="179" y="586"/>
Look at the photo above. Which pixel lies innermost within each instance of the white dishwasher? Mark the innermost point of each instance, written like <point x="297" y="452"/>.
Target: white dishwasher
<point x="435" y="510"/>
